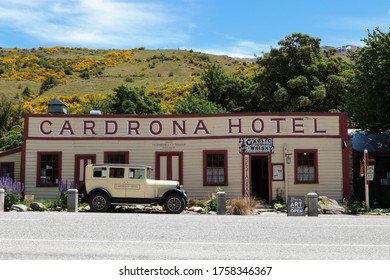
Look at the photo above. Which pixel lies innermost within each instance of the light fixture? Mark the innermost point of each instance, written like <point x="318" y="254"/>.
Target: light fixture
<point x="288" y="158"/>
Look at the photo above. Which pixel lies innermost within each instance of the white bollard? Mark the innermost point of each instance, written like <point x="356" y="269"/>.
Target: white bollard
<point x="2" y="200"/>
<point x="73" y="200"/>
<point x="221" y="203"/>
<point x="312" y="209"/>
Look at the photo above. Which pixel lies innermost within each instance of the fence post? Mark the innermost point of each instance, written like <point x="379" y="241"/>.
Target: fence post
<point x="73" y="200"/>
<point x="312" y="204"/>
<point x="221" y="203"/>
<point x="2" y="199"/>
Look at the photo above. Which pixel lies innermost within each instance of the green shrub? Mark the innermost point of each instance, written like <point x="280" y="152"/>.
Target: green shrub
<point x="11" y="199"/>
<point x="278" y="203"/>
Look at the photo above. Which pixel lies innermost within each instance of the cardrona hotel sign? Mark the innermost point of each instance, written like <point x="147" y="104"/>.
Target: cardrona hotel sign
<point x="85" y="126"/>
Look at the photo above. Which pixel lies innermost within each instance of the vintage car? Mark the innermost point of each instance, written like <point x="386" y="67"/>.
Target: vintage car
<point x="109" y="185"/>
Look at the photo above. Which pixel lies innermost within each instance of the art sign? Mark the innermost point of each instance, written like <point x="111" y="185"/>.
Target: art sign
<point x="295" y="206"/>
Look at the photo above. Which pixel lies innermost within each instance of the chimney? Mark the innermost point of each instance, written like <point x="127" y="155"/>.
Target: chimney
<point x="55" y="106"/>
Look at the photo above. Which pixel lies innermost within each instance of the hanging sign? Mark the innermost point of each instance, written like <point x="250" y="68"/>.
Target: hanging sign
<point x="256" y="145"/>
<point x="370" y="172"/>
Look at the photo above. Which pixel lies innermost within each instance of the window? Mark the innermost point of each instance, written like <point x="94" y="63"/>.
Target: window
<point x="7" y="169"/>
<point x="49" y="169"/>
<point x="136" y="173"/>
<point x="215" y="168"/>
<point x="117" y="172"/>
<point x="116" y="157"/>
<point x="306" y="166"/>
<point x="99" y="172"/>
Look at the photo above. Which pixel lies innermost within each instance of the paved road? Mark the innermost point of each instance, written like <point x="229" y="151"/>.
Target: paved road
<point x="98" y="236"/>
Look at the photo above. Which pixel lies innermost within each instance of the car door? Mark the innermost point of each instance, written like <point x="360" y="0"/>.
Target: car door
<point x="135" y="182"/>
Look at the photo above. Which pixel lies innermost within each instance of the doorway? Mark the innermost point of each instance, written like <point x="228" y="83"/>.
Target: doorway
<point x="260" y="177"/>
<point x="169" y="166"/>
<point x="81" y="162"/>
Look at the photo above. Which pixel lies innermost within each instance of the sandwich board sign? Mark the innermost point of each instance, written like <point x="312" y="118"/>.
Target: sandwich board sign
<point x="295" y="206"/>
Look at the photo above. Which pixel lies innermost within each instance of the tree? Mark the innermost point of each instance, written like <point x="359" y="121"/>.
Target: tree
<point x="197" y="104"/>
<point x="11" y="129"/>
<point x="298" y="77"/>
<point x="128" y="100"/>
<point x="229" y="91"/>
<point x="10" y="114"/>
<point x="11" y="139"/>
<point x="369" y="100"/>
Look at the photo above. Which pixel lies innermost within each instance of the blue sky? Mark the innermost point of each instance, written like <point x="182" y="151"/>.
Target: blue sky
<point x="239" y="28"/>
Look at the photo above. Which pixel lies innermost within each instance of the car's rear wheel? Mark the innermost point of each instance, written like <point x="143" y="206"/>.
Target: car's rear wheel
<point x="174" y="204"/>
<point x="99" y="202"/>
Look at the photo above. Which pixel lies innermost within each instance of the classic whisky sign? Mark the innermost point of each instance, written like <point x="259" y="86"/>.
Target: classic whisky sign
<point x="256" y="145"/>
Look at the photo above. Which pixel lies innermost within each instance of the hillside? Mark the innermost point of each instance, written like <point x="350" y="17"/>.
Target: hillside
<point x="87" y="71"/>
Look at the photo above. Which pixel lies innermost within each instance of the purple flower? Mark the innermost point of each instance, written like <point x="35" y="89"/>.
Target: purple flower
<point x="10" y="185"/>
<point x="64" y="186"/>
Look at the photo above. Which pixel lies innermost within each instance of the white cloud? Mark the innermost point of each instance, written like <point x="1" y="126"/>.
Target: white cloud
<point x="98" y="23"/>
<point x="239" y="48"/>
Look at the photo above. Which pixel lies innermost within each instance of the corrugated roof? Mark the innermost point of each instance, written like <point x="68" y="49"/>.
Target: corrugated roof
<point x="373" y="142"/>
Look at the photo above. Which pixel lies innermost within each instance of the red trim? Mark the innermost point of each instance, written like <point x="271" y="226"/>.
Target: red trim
<point x="242" y="173"/>
<point x="270" y="177"/>
<point x="108" y="153"/>
<point x="38" y="174"/>
<point x="298" y="151"/>
<point x="169" y="156"/>
<point x="23" y="155"/>
<point x="10" y="152"/>
<point x="208" y="152"/>
<point x="345" y="153"/>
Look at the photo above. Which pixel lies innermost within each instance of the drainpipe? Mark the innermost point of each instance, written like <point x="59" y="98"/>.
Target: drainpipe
<point x="285" y="172"/>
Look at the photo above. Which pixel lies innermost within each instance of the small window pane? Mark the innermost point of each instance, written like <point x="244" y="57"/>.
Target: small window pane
<point x="49" y="172"/>
<point x="116" y="172"/>
<point x="136" y="174"/>
<point x="306" y="171"/>
<point x="6" y="170"/>
<point x="116" y="158"/>
<point x="99" y="172"/>
<point x="215" y="169"/>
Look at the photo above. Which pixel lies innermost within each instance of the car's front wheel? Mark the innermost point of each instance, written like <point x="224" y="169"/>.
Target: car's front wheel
<point x="99" y="202"/>
<point x="174" y="204"/>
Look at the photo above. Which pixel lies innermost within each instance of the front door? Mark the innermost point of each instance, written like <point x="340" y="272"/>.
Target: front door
<point x="81" y="162"/>
<point x="169" y="166"/>
<point x="260" y="177"/>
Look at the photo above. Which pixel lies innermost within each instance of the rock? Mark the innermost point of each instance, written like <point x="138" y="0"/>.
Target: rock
<point x="329" y="206"/>
<point x="19" y="208"/>
<point x="157" y="208"/>
<point x="37" y="206"/>
<point x="196" y="209"/>
<point x="140" y="207"/>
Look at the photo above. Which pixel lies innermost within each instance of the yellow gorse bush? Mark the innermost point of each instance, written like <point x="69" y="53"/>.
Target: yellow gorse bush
<point x="19" y="65"/>
<point x="76" y="104"/>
